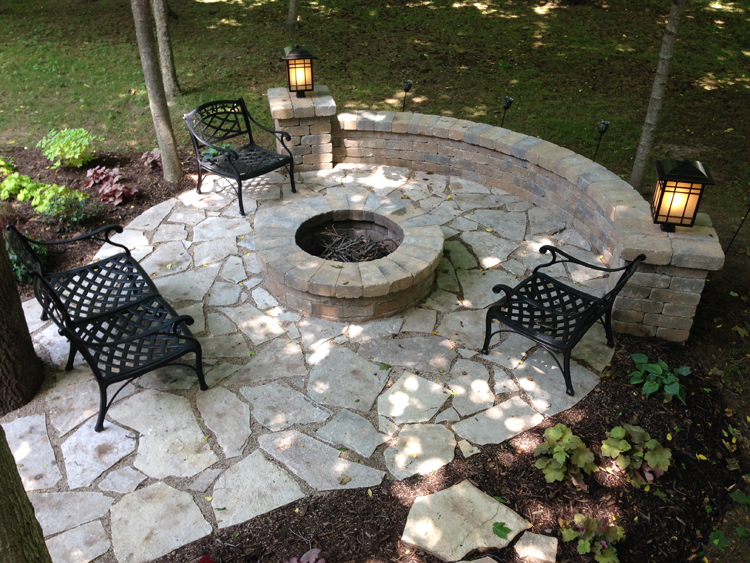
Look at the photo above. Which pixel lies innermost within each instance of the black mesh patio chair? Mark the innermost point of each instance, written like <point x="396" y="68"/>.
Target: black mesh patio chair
<point x="553" y="314"/>
<point x="213" y="125"/>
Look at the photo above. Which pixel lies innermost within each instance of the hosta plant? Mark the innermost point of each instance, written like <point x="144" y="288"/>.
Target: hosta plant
<point x="657" y="377"/>
<point x="633" y="451"/>
<point x="564" y="457"/>
<point x="594" y="536"/>
<point x="71" y="147"/>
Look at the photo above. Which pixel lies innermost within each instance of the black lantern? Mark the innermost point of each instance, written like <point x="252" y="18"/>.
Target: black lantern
<point x="679" y="187"/>
<point x="299" y="69"/>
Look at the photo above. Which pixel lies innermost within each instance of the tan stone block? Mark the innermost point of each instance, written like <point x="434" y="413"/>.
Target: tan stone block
<point x="673" y="335"/>
<point x="680" y="323"/>
<point x="676" y="297"/>
<point x="349" y="283"/>
<point x="627" y="316"/>
<point x="676" y="310"/>
<point x="374" y="283"/>
<point x="299" y="276"/>
<point x="323" y="282"/>
<point x="397" y="277"/>
<point x="635" y="329"/>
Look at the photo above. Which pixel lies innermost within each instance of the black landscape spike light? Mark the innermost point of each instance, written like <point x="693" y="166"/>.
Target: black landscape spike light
<point x="679" y="187"/>
<point x="602" y="126"/>
<point x="741" y="223"/>
<point x="299" y="69"/>
<point x="407" y="87"/>
<point x="507" y="102"/>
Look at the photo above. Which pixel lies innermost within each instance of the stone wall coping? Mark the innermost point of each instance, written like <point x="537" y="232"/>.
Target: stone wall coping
<point x="318" y="103"/>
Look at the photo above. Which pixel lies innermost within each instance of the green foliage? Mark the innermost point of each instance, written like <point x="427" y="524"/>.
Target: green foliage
<point x="636" y="453"/>
<point x="501" y="530"/>
<point x="568" y="457"/>
<point x="69" y="212"/>
<point x="6" y="167"/>
<point x="719" y="540"/>
<point x="69" y="146"/>
<point x="210" y="152"/>
<point x="740" y="497"/>
<point x="594" y="536"/>
<point x="40" y="194"/>
<point x="657" y="377"/>
<point x="19" y="270"/>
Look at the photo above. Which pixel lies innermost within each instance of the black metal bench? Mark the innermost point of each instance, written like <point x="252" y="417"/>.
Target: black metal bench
<point x="213" y="125"/>
<point x="553" y="314"/>
<point x="111" y="313"/>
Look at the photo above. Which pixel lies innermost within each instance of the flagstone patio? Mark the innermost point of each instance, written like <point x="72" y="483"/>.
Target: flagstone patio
<point x="296" y="404"/>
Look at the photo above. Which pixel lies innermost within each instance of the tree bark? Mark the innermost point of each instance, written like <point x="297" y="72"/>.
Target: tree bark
<point x="21" y="372"/>
<point x="291" y="20"/>
<point x="157" y="99"/>
<point x="166" y="56"/>
<point x="21" y="537"/>
<point x="657" y="93"/>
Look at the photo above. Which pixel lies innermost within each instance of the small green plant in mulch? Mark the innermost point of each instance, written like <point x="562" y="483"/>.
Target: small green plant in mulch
<point x="633" y="451"/>
<point x="40" y="194"/>
<point x="658" y="377"/>
<point x="594" y="536"/>
<point x="71" y="147"/>
<point x="6" y="167"/>
<point x="564" y="457"/>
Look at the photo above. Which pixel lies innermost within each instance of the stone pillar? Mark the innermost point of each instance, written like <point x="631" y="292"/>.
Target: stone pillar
<point x="308" y="121"/>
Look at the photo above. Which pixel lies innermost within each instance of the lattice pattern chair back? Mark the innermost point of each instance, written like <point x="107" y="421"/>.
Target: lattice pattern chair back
<point x="24" y="252"/>
<point x="219" y="121"/>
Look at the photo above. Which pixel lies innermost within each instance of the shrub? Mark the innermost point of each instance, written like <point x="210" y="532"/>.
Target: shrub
<point x="68" y="212"/>
<point x="569" y="456"/>
<point x="40" y="194"/>
<point x="636" y="453"/>
<point x="110" y="188"/>
<point x="151" y="159"/>
<point x="594" y="536"/>
<point x="6" y="167"/>
<point x="69" y="146"/>
<point x="657" y="376"/>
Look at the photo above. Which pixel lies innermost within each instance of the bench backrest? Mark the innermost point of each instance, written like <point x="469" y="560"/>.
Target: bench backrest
<point x="217" y="122"/>
<point x="21" y="247"/>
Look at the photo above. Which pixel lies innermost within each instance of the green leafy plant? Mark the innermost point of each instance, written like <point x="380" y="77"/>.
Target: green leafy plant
<point x="69" y="146"/>
<point x="19" y="270"/>
<point x="594" y="536"/>
<point x="568" y="457"/>
<point x="633" y="451"/>
<point x="501" y="530"/>
<point x="6" y="167"/>
<point x="719" y="540"/>
<point x="657" y="377"/>
<point x="210" y="152"/>
<point x="68" y="212"/>
<point x="40" y="194"/>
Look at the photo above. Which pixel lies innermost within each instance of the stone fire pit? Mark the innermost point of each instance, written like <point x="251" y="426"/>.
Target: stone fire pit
<point x="342" y="290"/>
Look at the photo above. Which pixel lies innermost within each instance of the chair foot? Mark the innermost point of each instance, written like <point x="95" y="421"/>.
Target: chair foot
<point x="611" y="343"/>
<point x="485" y="351"/>
<point x="570" y="392"/>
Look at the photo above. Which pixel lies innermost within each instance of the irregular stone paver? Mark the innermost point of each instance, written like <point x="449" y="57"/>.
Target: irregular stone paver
<point x="214" y="251"/>
<point x="51" y="347"/>
<point x="32" y="310"/>
<point x="511" y="351"/>
<point x="58" y="512"/>
<point x="419" y="320"/>
<point x="218" y="324"/>
<point x="220" y="372"/>
<point x="188" y="216"/>
<point x="420" y="449"/>
<point x="168" y="378"/>
<point x="227" y="417"/>
<point x="489" y="249"/>
<point x="412" y="399"/>
<point x="467" y="449"/>
<point x="79" y="545"/>
<point x="341" y="378"/>
<point x="187" y="286"/>
<point x="499" y="423"/>
<point x="153" y="521"/>
<point x="593" y="349"/>
<point x="169" y="232"/>
<point x="478" y="286"/>
<point x="543" y="548"/>
<point x="316" y="331"/>
<point x="226" y="346"/>
<point x="124" y="480"/>
<point x="219" y="227"/>
<point x="279" y="359"/>
<point x="204" y="480"/>
<point x="352" y="431"/>
<point x="317" y="464"/>
<point x="257" y="326"/>
<point x="277" y="406"/>
<point x="465" y="327"/>
<point x="234" y="270"/>
<point x="223" y="294"/>
<point x="35" y="459"/>
<point x="448" y="415"/>
<point x="443" y="301"/>
<point x="467" y="186"/>
<point x="250" y="488"/>
<point x="88" y="453"/>
<point x="509" y="225"/>
<point x="469" y="383"/>
<point x="446" y="276"/>
<point x="462" y="224"/>
<point x="453" y="522"/>
<point x="169" y="258"/>
<point x="171" y="441"/>
<point x="150" y="219"/>
<point x="569" y="236"/>
<point x="544" y="221"/>
<point x="428" y="353"/>
<point x="263" y="299"/>
<point x="374" y="330"/>
<point x="540" y="377"/>
<point x="445" y="212"/>
<point x="199" y="318"/>
<point x="459" y="256"/>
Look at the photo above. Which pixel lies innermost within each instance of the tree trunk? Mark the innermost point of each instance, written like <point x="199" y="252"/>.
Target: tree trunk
<point x="157" y="99"/>
<point x="166" y="56"/>
<point x="291" y="20"/>
<point x="21" y="537"/>
<point x="657" y="93"/>
<point x="21" y="372"/>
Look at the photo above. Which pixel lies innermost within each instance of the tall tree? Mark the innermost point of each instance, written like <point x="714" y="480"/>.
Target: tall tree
<point x="291" y="19"/>
<point x="166" y="56"/>
<point x="657" y="93"/>
<point x="157" y="99"/>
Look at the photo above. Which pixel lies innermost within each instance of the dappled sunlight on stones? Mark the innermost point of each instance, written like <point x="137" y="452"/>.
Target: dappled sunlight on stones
<point x="124" y="480"/>
<point x="420" y="449"/>
<point x="428" y="353"/>
<point x="31" y="449"/>
<point x="499" y="423"/>
<point x="277" y="406"/>
<point x="227" y="417"/>
<point x="412" y="399"/>
<point x="57" y="512"/>
<point x="353" y="431"/>
<point x="88" y="453"/>
<point x="279" y="359"/>
<point x="79" y="545"/>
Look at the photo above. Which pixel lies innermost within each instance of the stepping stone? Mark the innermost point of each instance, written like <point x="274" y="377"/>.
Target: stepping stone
<point x="79" y="545"/>
<point x="540" y="377"/>
<point x="419" y="320"/>
<point x="387" y="426"/>
<point x="341" y="378"/>
<point x="168" y="378"/>
<point x="154" y="521"/>
<point x="124" y="480"/>
<point x="467" y="186"/>
<point x="543" y="221"/>
<point x="436" y="182"/>
<point x="234" y="270"/>
<point x="226" y="346"/>
<point x="187" y="286"/>
<point x="415" y="190"/>
<point x="468" y="202"/>
<point x="214" y="251"/>
<point x="88" y="453"/>
<point x="472" y="392"/>
<point x="227" y="417"/>
<point x="279" y="359"/>
<point x="504" y="384"/>
<point x="519" y="206"/>
<point x="428" y="353"/>
<point x="283" y="315"/>
<point x="572" y="237"/>
<point x="446" y="276"/>
<point x="205" y="480"/>
<point x="218" y="324"/>
<point x="466" y="353"/>
<point x="375" y="329"/>
<point x="258" y="327"/>
<point x="430" y="203"/>
<point x="412" y="399"/>
<point x="32" y="310"/>
<point x="478" y="286"/>
<point x="58" y="512"/>
<point x="442" y="301"/>
<point x="420" y="449"/>
<point x="353" y="431"/>
<point x="252" y="487"/>
<point x="510" y="225"/>
<point x="516" y="268"/>
<point x="220" y="372"/>
<point x="187" y="216"/>
<point x="453" y="522"/>
<point x="263" y="299"/>
<point x="462" y="224"/>
<point x="445" y="212"/>
<point x="220" y="227"/>
<point x="223" y="294"/>
<point x="316" y="331"/>
<point x="168" y="258"/>
<point x="593" y="349"/>
<point x="499" y="423"/>
<point x="597" y="286"/>
<point x="467" y="449"/>
<point x="251" y="263"/>
<point x="149" y="220"/>
<point x="30" y="445"/>
<point x="448" y="415"/>
<point x="53" y="348"/>
<point x="490" y="250"/>
<point x="195" y="311"/>
<point x="277" y="406"/>
<point x="171" y="442"/>
<point x="542" y="548"/>
<point x="317" y="464"/>
<point x="511" y="351"/>
<point x="465" y="327"/>
<point x="169" y="232"/>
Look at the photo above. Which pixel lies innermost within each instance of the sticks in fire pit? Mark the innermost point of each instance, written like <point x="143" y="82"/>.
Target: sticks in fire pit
<point x="342" y="248"/>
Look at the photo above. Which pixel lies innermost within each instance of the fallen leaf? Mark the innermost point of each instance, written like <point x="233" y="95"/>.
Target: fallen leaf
<point x="344" y="479"/>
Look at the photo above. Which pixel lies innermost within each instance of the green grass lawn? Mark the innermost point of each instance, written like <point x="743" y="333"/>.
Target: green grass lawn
<point x="74" y="63"/>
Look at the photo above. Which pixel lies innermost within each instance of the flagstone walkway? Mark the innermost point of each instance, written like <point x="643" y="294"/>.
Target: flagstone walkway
<point x="295" y="404"/>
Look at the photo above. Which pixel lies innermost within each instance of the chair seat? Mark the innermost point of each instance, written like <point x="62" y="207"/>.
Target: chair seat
<point x="253" y="161"/>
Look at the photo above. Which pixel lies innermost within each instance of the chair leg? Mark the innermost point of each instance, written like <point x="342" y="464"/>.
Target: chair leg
<point x="291" y="176"/>
<point x="239" y="196"/>
<point x="566" y="373"/>
<point x="71" y="358"/>
<point x="487" y="335"/>
<point x="200" y="179"/>
<point x="608" y="328"/>
<point x="102" y="407"/>
<point x="199" y="369"/>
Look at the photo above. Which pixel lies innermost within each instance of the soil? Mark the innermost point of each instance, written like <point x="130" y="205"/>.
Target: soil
<point x="354" y="526"/>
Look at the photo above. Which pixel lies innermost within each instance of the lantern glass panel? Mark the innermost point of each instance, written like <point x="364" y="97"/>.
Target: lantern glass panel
<point x="300" y="75"/>
<point x="676" y="203"/>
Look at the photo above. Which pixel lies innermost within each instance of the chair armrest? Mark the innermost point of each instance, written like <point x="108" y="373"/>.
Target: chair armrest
<point x="569" y="258"/>
<point x="511" y="292"/>
<point x="94" y="235"/>
<point x="284" y="135"/>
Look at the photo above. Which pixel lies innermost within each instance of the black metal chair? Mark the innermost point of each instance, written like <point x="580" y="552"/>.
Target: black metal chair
<point x="213" y="125"/>
<point x="553" y="314"/>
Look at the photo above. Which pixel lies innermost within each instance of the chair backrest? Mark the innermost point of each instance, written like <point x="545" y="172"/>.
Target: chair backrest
<point x="21" y="247"/>
<point x="216" y="122"/>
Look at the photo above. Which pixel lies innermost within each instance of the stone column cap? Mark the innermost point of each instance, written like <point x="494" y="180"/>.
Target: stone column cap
<point x="318" y="103"/>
